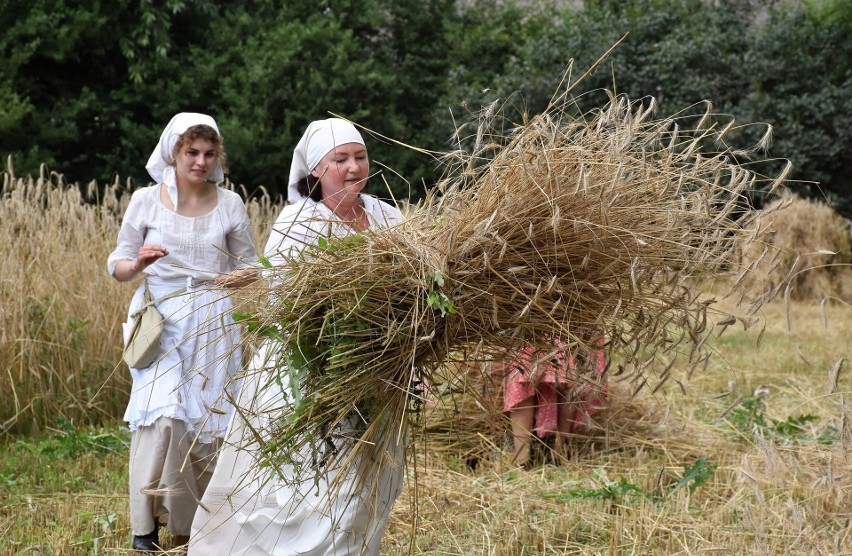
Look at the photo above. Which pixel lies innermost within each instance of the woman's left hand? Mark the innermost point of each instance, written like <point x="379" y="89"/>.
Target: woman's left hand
<point x="237" y="278"/>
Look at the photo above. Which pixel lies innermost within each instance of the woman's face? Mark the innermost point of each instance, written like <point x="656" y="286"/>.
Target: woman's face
<point x="343" y="171"/>
<point x="195" y="161"/>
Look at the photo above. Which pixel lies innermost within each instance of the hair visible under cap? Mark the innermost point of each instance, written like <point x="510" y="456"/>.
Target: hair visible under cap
<point x="201" y="131"/>
<point x="310" y="187"/>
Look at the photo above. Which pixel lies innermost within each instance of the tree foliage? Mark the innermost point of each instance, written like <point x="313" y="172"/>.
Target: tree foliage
<point x="86" y="87"/>
<point x="800" y="80"/>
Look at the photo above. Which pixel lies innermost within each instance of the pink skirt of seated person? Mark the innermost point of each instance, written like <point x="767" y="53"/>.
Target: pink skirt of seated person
<point x="554" y="375"/>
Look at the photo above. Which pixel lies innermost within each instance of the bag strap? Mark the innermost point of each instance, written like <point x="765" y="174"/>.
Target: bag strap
<point x="148" y="299"/>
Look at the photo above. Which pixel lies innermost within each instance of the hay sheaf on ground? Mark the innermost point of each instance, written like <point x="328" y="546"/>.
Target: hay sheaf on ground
<point x="569" y="225"/>
<point x="808" y="242"/>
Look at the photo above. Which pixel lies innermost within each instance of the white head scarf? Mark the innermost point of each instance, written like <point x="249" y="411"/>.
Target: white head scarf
<point x="161" y="164"/>
<point x="321" y="137"/>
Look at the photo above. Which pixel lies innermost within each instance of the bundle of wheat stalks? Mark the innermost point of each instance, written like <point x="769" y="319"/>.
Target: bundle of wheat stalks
<point x="562" y="226"/>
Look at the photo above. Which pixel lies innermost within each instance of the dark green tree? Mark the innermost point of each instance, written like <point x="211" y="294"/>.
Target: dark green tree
<point x="483" y="40"/>
<point x="379" y="64"/>
<point x="86" y="87"/>
<point x="83" y="81"/>
<point x="678" y="52"/>
<point x="799" y="64"/>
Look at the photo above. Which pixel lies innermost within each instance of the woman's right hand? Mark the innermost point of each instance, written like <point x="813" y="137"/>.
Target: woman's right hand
<point x="148" y="254"/>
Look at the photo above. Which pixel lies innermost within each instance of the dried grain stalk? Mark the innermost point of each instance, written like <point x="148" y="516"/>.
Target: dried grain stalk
<point x="567" y="224"/>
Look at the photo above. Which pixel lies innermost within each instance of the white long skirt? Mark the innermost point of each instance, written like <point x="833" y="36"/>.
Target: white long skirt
<point x="193" y="379"/>
<point x="248" y="510"/>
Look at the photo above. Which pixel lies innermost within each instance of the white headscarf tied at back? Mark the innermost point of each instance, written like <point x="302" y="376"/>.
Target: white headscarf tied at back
<point x="321" y="137"/>
<point x="161" y="164"/>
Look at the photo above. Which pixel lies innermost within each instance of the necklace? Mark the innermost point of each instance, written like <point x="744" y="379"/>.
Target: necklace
<point x="360" y="221"/>
<point x="356" y="216"/>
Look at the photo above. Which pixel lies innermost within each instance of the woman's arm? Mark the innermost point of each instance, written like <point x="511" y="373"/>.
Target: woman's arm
<point x="131" y="254"/>
<point x="127" y="269"/>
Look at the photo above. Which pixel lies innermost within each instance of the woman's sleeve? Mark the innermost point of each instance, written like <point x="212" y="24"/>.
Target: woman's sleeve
<point x="241" y="238"/>
<point x="131" y="235"/>
<point x="388" y="215"/>
<point x="290" y="235"/>
<point x="290" y="232"/>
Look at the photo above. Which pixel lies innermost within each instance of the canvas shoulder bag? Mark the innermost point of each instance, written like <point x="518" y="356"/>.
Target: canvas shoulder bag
<point x="142" y="345"/>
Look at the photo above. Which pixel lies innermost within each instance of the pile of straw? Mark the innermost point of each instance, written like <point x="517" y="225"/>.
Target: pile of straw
<point x="564" y="225"/>
<point x="807" y="250"/>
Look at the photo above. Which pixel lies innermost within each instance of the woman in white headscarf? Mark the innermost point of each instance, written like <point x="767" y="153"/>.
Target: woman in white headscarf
<point x="249" y="510"/>
<point x="191" y="240"/>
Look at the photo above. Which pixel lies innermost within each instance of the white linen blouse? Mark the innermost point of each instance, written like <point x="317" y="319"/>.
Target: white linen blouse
<point x="200" y="248"/>
<point x="300" y="224"/>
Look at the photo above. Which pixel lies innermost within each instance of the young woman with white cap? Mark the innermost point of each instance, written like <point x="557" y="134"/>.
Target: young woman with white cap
<point x="191" y="240"/>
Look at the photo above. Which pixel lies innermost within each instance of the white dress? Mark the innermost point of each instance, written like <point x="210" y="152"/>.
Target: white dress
<point x="248" y="510"/>
<point x="199" y="345"/>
